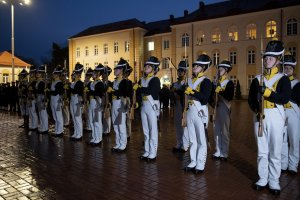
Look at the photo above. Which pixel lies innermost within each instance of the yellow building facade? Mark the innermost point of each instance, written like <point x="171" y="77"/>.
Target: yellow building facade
<point x="236" y="33"/>
<point x="6" y="73"/>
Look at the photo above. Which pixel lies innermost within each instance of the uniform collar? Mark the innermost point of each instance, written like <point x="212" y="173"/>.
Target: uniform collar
<point x="179" y="79"/>
<point x="222" y="78"/>
<point x="119" y="78"/>
<point x="291" y="78"/>
<point x="269" y="73"/>
<point x="198" y="76"/>
<point x="149" y="75"/>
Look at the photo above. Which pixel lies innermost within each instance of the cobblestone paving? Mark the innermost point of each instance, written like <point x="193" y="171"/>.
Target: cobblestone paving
<point x="36" y="166"/>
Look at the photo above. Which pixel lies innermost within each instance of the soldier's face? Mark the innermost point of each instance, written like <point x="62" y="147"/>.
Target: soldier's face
<point x="117" y="72"/>
<point x="270" y="61"/>
<point x="38" y="75"/>
<point x="288" y="70"/>
<point x="181" y="73"/>
<point x="95" y="75"/>
<point x="197" y="69"/>
<point x="222" y="71"/>
<point x="148" y="69"/>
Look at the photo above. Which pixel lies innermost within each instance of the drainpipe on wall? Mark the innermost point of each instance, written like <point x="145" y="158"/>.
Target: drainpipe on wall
<point x="282" y="25"/>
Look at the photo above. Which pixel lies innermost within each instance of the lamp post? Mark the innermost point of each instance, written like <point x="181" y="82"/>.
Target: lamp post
<point x="12" y="3"/>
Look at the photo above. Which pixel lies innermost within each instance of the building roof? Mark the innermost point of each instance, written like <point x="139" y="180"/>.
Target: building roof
<point x="6" y="57"/>
<point x="232" y="7"/>
<point x="111" y="27"/>
<point x="204" y="12"/>
<point x="158" y="27"/>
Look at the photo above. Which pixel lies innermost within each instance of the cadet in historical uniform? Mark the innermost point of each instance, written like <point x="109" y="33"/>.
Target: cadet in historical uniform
<point x="276" y="90"/>
<point x="86" y="93"/>
<point x="198" y="91"/>
<point x="107" y="102"/>
<point x="177" y="89"/>
<point x="31" y="103"/>
<point x="224" y="88"/>
<point x="149" y="88"/>
<point x="66" y="98"/>
<point x="290" y="147"/>
<point x="56" y="91"/>
<point x="95" y="107"/>
<point x="118" y="111"/>
<point x="41" y="99"/>
<point x="23" y="92"/>
<point x="129" y="92"/>
<point x="76" y="102"/>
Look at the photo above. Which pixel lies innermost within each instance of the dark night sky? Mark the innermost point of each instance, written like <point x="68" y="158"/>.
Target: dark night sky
<point x="47" y="21"/>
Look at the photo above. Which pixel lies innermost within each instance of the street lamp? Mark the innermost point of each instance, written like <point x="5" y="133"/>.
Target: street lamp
<point x="12" y="3"/>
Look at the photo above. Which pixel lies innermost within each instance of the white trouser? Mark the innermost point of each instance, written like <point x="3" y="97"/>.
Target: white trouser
<point x="33" y="118"/>
<point x="118" y="116"/>
<point x="182" y="136"/>
<point x="107" y="124"/>
<point x="269" y="148"/>
<point x="77" y="120"/>
<point x="95" y="118"/>
<point x="196" y="131"/>
<point x="150" y="129"/>
<point x="290" y="147"/>
<point x="23" y="107"/>
<point x="56" y="109"/>
<point x="221" y="130"/>
<point x="43" y="115"/>
<point x="66" y="115"/>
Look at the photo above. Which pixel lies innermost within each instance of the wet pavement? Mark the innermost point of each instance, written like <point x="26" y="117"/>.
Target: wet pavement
<point x="34" y="166"/>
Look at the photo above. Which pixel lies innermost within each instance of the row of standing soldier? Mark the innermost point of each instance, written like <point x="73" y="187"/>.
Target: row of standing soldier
<point x="275" y="102"/>
<point x="192" y="96"/>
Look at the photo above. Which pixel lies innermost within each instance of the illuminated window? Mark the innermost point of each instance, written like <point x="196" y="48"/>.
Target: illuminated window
<point x="105" y="48"/>
<point x="116" y="62"/>
<point x="5" y="77"/>
<point x="185" y="58"/>
<point x="216" y="58"/>
<point x="116" y="47"/>
<point x="251" y="31"/>
<point x="165" y="63"/>
<point x="200" y="38"/>
<point x="126" y="46"/>
<point x="151" y="46"/>
<point x="233" y="33"/>
<point x="77" y="52"/>
<point x="86" y="51"/>
<point x="166" y="44"/>
<point x="216" y="36"/>
<point x="96" y="50"/>
<point x="251" y="57"/>
<point x="271" y="29"/>
<point x="293" y="51"/>
<point x="185" y="40"/>
<point x="232" y="57"/>
<point x="234" y="79"/>
<point x="250" y="78"/>
<point x="292" y="26"/>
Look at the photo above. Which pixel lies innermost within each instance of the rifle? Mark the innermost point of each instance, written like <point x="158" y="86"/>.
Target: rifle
<point x="260" y="113"/>
<point x="185" y="103"/>
<point x="216" y="97"/>
<point x="30" y="96"/>
<point x="45" y="100"/>
<point x="106" y="104"/>
<point x="131" y="115"/>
